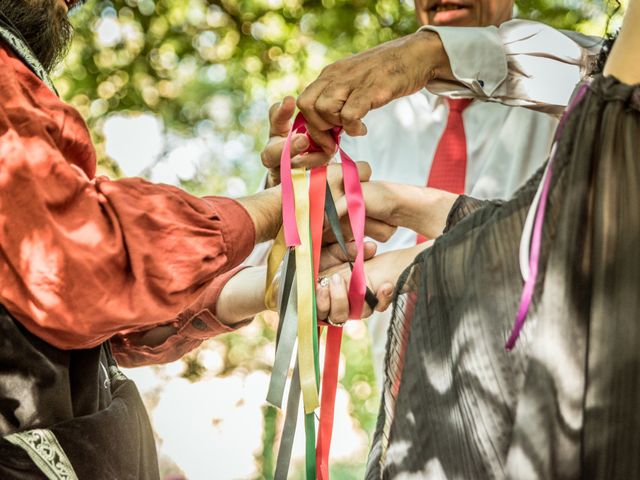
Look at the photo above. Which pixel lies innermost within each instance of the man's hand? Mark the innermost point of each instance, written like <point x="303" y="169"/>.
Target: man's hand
<point x="348" y="89"/>
<point x="280" y="121"/>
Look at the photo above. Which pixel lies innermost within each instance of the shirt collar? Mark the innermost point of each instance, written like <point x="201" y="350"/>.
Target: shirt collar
<point x="26" y="55"/>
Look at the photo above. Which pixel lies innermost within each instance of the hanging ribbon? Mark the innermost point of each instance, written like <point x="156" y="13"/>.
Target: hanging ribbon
<point x="276" y="256"/>
<point x="306" y="294"/>
<point x="286" y="336"/>
<point x="304" y="202"/>
<point x="288" y="431"/>
<point x="355" y="207"/>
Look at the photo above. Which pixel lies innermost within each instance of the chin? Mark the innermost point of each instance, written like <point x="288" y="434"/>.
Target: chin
<point x="463" y="19"/>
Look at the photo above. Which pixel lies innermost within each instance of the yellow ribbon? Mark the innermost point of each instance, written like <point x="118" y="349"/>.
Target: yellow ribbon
<point x="305" y="285"/>
<point x="276" y="255"/>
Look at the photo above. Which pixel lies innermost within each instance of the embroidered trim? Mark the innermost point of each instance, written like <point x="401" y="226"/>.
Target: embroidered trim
<point x="116" y="374"/>
<point x="28" y="57"/>
<point x="44" y="450"/>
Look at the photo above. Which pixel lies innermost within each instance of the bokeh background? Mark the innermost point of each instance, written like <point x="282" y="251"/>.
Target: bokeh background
<point x="178" y="91"/>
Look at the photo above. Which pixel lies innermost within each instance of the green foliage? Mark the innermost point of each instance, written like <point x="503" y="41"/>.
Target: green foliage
<point x="211" y="67"/>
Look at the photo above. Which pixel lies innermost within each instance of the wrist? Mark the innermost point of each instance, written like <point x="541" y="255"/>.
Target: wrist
<point x="423" y="210"/>
<point x="242" y="297"/>
<point x="265" y="211"/>
<point x="388" y="267"/>
<point x="437" y="205"/>
<point x="428" y="47"/>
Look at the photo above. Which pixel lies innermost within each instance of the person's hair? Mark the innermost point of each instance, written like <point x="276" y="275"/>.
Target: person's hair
<point x="42" y="25"/>
<point x="607" y="45"/>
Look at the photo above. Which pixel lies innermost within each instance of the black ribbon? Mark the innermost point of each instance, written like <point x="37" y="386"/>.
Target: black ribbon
<point x="334" y="222"/>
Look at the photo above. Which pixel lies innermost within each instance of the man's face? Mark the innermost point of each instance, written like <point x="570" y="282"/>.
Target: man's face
<point x="463" y="13"/>
<point x="43" y="24"/>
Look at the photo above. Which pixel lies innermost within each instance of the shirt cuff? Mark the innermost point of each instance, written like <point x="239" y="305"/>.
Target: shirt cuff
<point x="199" y="321"/>
<point x="237" y="228"/>
<point x="477" y="58"/>
<point x="194" y="325"/>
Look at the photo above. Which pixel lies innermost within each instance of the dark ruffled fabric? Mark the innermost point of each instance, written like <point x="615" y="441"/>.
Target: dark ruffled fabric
<point x="564" y="403"/>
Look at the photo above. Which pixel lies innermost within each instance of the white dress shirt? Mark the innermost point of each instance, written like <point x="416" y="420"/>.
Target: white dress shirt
<point x="519" y="64"/>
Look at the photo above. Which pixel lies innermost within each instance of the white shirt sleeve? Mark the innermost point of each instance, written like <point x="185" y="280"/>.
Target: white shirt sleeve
<point x="519" y="63"/>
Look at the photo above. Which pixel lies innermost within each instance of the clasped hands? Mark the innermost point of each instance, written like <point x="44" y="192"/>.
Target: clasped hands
<point x="388" y="206"/>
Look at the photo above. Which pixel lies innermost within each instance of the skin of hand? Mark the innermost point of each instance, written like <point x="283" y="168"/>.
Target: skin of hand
<point x="243" y="295"/>
<point x="382" y="273"/>
<point x="373" y="228"/>
<point x="424" y="210"/>
<point x="346" y="90"/>
<point x="421" y="209"/>
<point x="470" y="13"/>
<point x="280" y="122"/>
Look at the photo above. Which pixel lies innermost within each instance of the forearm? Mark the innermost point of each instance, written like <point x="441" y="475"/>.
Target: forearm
<point x="242" y="297"/>
<point x="623" y="61"/>
<point x="265" y="211"/>
<point x="423" y="210"/>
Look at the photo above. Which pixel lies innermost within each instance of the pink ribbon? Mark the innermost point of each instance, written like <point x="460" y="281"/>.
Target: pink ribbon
<point x="291" y="236"/>
<point x="355" y="207"/>
<point x="534" y="260"/>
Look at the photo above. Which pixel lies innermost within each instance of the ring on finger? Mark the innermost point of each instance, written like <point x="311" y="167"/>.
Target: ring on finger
<point x="333" y="324"/>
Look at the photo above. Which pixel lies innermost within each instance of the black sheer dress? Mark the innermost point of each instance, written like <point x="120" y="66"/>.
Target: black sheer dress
<point x="564" y="403"/>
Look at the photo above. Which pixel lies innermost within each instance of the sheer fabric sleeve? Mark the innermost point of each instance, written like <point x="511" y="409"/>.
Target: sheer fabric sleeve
<point x="463" y="206"/>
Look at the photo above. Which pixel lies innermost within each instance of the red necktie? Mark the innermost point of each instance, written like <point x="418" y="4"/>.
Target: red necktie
<point x="449" y="167"/>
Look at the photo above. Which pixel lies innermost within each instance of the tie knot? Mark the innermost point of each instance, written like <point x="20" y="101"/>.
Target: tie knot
<point x="458" y="104"/>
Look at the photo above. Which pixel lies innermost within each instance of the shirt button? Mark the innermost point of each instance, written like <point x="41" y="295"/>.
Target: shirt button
<point x="481" y="82"/>
<point x="199" y="324"/>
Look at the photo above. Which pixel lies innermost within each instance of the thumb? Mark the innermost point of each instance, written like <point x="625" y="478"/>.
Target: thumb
<point x="280" y="115"/>
<point x="384" y="296"/>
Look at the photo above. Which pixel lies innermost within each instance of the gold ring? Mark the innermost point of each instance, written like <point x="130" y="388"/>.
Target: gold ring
<point x="339" y="325"/>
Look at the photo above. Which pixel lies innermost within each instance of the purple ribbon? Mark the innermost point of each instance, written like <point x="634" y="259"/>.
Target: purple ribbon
<point x="536" y="239"/>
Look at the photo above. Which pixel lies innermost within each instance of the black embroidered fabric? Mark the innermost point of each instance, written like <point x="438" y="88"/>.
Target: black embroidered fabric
<point x="564" y="403"/>
<point x="98" y="418"/>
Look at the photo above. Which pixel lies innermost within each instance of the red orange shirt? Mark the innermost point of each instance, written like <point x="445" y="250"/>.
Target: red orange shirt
<point x="84" y="258"/>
